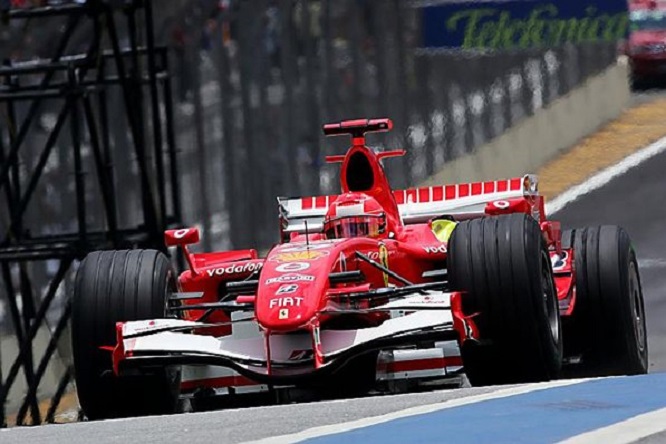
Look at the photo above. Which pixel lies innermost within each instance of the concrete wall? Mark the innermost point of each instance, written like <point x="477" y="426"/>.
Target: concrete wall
<point x="550" y="131"/>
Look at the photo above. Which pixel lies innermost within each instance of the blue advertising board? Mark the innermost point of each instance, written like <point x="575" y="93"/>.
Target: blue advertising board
<point x="520" y="24"/>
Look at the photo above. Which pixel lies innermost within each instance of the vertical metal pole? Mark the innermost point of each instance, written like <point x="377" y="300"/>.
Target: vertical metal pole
<point x="4" y="38"/>
<point x="203" y="162"/>
<point x="380" y="40"/>
<point x="3" y="417"/>
<point x="230" y="169"/>
<point x="79" y="174"/>
<point x="264" y="137"/>
<point x="107" y="158"/>
<point x="135" y="74"/>
<point x="103" y="106"/>
<point x="248" y="183"/>
<point x="358" y="106"/>
<point x="9" y="189"/>
<point x="331" y="101"/>
<point x="330" y="110"/>
<point x="154" y="102"/>
<point x="136" y="127"/>
<point x="143" y="157"/>
<point x="406" y="171"/>
<point x="311" y="99"/>
<point x="287" y="60"/>
<point x="382" y="106"/>
<point x="171" y="142"/>
<point x="424" y="100"/>
<point x="15" y="166"/>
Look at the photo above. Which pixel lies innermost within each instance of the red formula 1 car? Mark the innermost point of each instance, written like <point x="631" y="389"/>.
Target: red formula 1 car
<point x="367" y="289"/>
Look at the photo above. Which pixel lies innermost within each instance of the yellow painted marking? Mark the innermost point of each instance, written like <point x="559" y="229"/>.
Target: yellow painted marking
<point x="633" y="130"/>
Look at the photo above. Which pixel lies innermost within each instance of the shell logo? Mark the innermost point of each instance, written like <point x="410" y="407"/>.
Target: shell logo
<point x="299" y="256"/>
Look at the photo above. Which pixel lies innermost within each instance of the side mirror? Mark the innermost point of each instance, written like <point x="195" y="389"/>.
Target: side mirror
<point x="184" y="236"/>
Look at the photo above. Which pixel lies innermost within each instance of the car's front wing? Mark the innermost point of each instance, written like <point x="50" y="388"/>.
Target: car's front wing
<point x="419" y="322"/>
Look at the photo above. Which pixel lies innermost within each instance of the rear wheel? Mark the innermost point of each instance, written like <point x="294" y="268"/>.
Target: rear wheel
<point x="607" y="326"/>
<point x="503" y="267"/>
<point x="117" y="286"/>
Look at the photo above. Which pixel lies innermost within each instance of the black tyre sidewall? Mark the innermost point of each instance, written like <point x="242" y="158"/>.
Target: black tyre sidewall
<point x="111" y="287"/>
<point x="500" y="264"/>
<point x="601" y="328"/>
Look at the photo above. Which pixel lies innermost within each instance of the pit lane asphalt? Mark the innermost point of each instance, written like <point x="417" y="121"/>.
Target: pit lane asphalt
<point x="227" y="426"/>
<point x="636" y="201"/>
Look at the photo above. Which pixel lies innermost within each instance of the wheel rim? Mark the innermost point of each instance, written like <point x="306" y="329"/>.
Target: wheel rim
<point x="638" y="314"/>
<point x="550" y="303"/>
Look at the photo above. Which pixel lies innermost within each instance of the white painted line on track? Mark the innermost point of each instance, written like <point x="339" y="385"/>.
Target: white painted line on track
<point x="331" y="429"/>
<point x="627" y="431"/>
<point x="603" y="177"/>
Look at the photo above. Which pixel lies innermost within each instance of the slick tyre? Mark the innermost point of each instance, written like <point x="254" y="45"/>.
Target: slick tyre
<point x="607" y="327"/>
<point x="503" y="267"/>
<point x="115" y="286"/>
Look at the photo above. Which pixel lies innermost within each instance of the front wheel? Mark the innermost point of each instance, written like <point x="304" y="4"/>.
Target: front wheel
<point x="502" y="266"/>
<point x="118" y="286"/>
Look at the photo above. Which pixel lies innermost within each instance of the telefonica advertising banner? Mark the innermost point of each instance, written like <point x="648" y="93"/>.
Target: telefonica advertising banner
<point x="520" y="24"/>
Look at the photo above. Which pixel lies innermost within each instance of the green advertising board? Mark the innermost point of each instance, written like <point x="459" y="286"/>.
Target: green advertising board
<point x="521" y="24"/>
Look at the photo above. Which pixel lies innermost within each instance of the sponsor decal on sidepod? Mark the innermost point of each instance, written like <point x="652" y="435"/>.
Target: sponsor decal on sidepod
<point x="441" y="249"/>
<point x="236" y="269"/>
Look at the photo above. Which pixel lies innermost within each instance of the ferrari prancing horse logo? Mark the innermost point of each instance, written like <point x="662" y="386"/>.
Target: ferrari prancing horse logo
<point x="383" y="259"/>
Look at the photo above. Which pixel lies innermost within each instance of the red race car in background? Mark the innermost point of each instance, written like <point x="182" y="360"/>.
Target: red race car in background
<point x="368" y="289"/>
<point x="646" y="46"/>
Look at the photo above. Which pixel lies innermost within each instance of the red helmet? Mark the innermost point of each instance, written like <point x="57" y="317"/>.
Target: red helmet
<point x="354" y="215"/>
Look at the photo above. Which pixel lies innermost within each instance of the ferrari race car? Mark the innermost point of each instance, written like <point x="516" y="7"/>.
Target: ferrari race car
<point x="368" y="288"/>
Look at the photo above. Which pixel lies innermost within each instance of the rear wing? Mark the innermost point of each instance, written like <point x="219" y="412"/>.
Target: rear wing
<point x="416" y="205"/>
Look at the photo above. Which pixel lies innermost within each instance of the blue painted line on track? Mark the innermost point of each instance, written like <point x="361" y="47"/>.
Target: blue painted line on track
<point x="543" y="416"/>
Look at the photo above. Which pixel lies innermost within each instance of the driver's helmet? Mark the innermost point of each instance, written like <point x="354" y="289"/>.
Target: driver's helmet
<point x="354" y="215"/>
